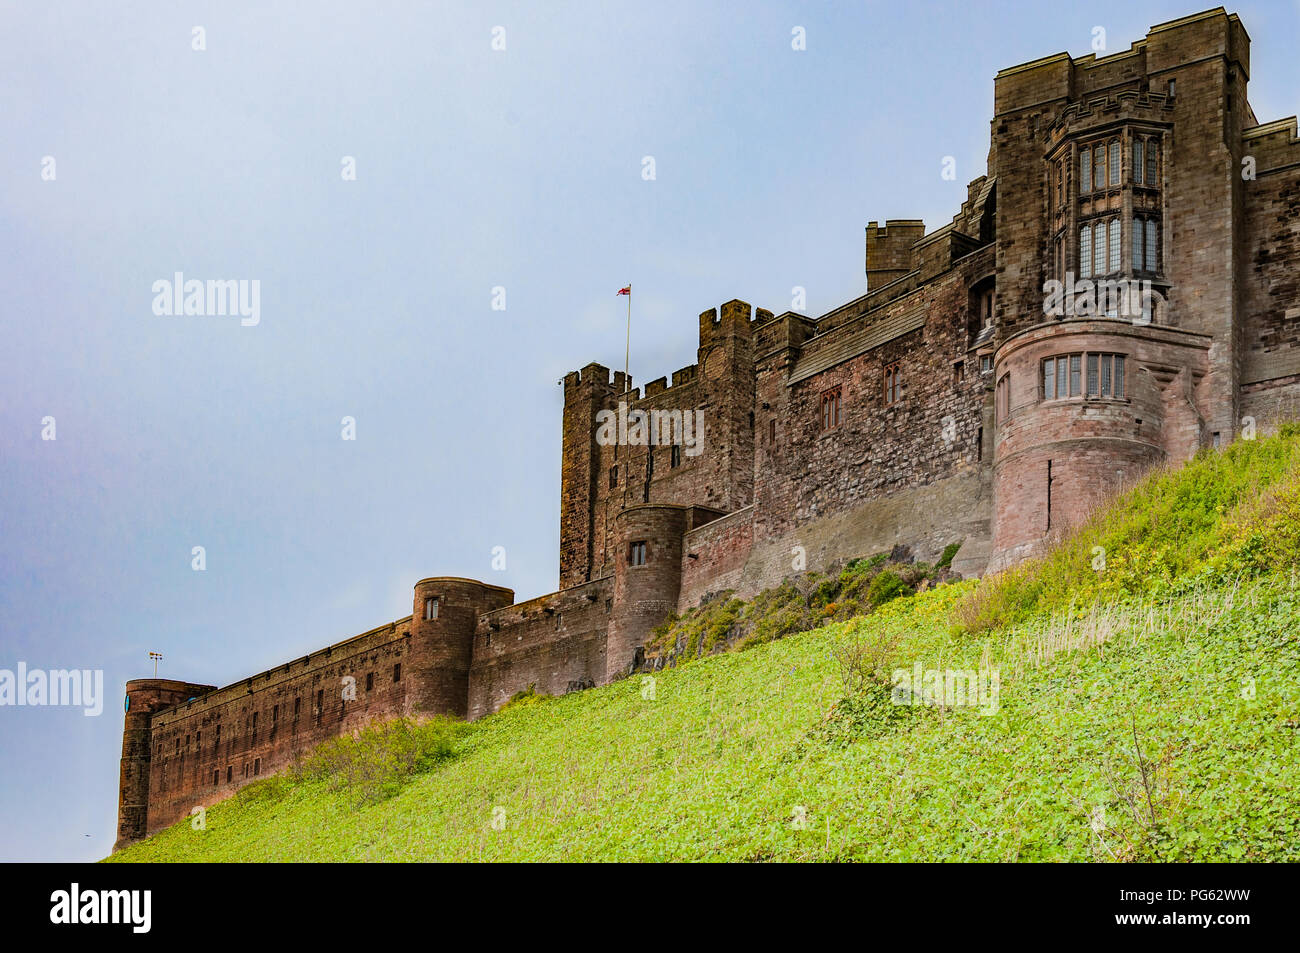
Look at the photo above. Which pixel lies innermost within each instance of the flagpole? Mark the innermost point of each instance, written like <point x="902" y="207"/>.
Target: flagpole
<point x="627" y="387"/>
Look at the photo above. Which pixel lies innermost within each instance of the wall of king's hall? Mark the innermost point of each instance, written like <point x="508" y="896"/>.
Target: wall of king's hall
<point x="774" y="491"/>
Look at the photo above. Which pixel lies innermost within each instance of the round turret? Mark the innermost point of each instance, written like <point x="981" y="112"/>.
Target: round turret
<point x="647" y="578"/>
<point x="1082" y="408"/>
<point x="144" y="696"/>
<point x="443" y="618"/>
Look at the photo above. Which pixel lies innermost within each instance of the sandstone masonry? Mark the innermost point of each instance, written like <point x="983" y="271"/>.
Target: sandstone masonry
<point x="942" y="406"/>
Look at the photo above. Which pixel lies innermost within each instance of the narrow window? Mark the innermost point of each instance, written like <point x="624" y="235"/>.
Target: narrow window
<point x="1171" y="89"/>
<point x="1085" y="171"/>
<point x="831" y="409"/>
<point x="1151" y="244"/>
<point x="397" y="672"/>
<point x="986" y="363"/>
<point x="1138" y="161"/>
<point x="1049" y="494"/>
<point x="1049" y="379"/>
<point x="1114" y="245"/>
<point x="1119" y="375"/>
<point x="370" y="681"/>
<point x="1076" y="362"/>
<point x="957" y="370"/>
<point x="229" y="773"/>
<point x="1060" y="183"/>
<point x="676" y="459"/>
<point x="636" y="553"/>
<point x="1105" y="375"/>
<point x="1085" y="252"/>
<point x="771" y="432"/>
<point x="257" y="765"/>
<point x="1099" y="167"/>
<point x="1099" y="255"/>
<point x="893" y="383"/>
<point x="1061" y="390"/>
<point x="1003" y="403"/>
<point x="1153" y="151"/>
<point x="431" y="607"/>
<point x="1114" y="162"/>
<point x="297" y="706"/>
<point x="320" y="705"/>
<point x="613" y="476"/>
<point x="1092" y="375"/>
<point x="1137" y="244"/>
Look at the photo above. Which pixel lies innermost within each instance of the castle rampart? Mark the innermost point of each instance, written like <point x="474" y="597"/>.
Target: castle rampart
<point x="949" y="404"/>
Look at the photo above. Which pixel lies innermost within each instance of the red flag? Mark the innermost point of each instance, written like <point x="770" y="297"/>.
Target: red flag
<point x="626" y="291"/>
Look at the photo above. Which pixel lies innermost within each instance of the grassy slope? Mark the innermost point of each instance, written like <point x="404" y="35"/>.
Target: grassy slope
<point x="715" y="765"/>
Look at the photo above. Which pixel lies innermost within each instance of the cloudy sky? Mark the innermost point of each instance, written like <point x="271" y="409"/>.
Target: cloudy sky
<point x="128" y="155"/>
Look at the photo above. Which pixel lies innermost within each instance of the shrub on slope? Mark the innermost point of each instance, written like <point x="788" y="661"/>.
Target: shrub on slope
<point x="799" y="604"/>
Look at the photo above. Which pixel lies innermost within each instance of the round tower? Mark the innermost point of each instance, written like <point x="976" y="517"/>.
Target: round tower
<point x="1084" y="406"/>
<point x="144" y="697"/>
<point x="647" y="578"/>
<point x="443" y="618"/>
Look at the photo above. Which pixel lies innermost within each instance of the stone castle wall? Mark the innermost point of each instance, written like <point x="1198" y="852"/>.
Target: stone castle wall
<point x="941" y="429"/>
<point x="554" y="644"/>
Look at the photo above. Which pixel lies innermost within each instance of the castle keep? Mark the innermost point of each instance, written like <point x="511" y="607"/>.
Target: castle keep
<point x="945" y="405"/>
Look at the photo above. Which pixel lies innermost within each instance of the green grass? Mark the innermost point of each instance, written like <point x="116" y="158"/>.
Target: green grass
<point x="1153" y="717"/>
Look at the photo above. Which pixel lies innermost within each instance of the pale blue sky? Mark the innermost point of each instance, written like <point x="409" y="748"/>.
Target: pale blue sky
<point x="475" y="169"/>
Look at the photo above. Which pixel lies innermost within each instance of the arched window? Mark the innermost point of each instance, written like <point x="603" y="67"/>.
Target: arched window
<point x="1138" y="162"/>
<point x="893" y="383"/>
<point x="1085" y="171"/>
<point x="1085" y="252"/>
<point x="1114" y="162"/>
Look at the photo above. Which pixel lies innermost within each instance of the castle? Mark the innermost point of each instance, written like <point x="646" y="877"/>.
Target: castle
<point x="957" y="401"/>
